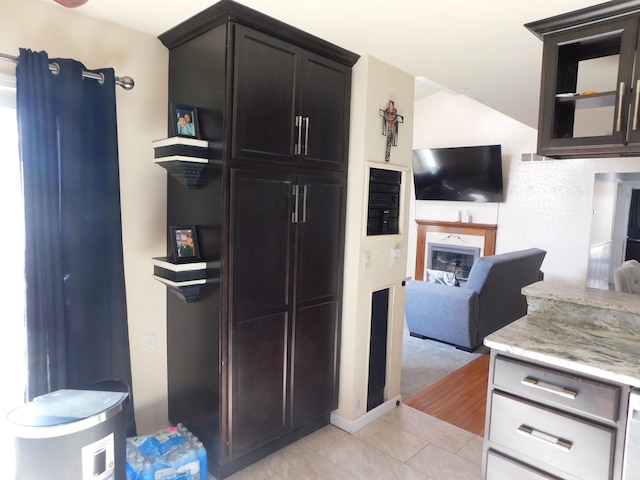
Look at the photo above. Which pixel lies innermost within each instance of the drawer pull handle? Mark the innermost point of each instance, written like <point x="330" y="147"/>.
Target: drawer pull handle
<point x="545" y="437"/>
<point x="548" y="387"/>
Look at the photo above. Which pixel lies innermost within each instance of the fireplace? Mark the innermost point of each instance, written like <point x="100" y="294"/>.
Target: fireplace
<point x="428" y="229"/>
<point x="452" y="258"/>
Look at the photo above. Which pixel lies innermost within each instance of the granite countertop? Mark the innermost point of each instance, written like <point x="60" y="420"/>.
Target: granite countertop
<point x="585" y="297"/>
<point x="596" y="332"/>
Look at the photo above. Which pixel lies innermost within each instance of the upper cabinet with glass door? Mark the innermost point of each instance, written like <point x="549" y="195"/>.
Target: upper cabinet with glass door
<point x="589" y="93"/>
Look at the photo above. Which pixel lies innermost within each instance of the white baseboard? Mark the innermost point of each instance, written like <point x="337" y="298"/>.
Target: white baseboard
<point x="360" y="422"/>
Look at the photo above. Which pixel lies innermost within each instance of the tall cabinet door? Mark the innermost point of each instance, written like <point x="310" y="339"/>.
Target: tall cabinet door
<point x="324" y="112"/>
<point x="318" y="286"/>
<point x="261" y="236"/>
<point x="290" y="105"/>
<point x="264" y="97"/>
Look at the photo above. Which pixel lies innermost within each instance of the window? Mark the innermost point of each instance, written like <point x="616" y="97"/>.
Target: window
<point x="12" y="294"/>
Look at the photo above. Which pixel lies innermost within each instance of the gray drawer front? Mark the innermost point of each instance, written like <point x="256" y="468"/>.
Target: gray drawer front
<point x="568" y="443"/>
<point x="501" y="468"/>
<point x="552" y="387"/>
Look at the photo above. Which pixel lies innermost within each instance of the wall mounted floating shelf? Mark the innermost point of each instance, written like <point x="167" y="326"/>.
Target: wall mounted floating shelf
<point x="186" y="159"/>
<point x="185" y="279"/>
<point x="187" y="291"/>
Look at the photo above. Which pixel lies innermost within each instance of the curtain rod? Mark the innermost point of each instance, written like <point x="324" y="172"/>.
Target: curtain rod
<point x="125" y="82"/>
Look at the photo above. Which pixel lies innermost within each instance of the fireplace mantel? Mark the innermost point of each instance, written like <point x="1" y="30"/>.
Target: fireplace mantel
<point x="488" y="231"/>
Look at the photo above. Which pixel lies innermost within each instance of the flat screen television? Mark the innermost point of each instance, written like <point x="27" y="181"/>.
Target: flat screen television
<point x="468" y="174"/>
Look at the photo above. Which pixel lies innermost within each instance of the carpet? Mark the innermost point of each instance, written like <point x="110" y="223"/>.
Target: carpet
<point x="424" y="362"/>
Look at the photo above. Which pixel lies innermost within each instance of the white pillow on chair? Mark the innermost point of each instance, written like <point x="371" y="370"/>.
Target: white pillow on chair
<point x="442" y="277"/>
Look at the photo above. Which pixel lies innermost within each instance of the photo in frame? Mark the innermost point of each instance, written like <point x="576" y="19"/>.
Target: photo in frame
<point x="184" y="120"/>
<point x="184" y="243"/>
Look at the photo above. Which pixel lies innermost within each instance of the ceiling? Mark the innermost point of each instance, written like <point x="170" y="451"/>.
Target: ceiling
<point x="476" y="48"/>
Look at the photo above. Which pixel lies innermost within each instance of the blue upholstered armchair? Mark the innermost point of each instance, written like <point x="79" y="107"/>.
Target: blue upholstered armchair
<point x="490" y="299"/>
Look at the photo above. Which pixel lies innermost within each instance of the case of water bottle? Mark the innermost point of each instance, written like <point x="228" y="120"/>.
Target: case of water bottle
<point x="170" y="454"/>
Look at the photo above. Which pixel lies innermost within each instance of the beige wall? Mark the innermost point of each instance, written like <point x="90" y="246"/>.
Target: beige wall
<point x="374" y="84"/>
<point x="142" y="114"/>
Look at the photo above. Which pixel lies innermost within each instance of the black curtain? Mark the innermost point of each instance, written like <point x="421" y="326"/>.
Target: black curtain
<point x="77" y="334"/>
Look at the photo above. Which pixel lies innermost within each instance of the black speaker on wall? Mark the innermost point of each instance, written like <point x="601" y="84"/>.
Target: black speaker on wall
<point x="384" y="201"/>
<point x="378" y="348"/>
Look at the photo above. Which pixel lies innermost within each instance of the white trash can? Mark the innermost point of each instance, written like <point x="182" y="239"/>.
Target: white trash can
<point x="70" y="435"/>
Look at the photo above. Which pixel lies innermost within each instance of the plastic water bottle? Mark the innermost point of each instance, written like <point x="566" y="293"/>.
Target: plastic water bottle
<point x="198" y="452"/>
<point x="134" y="462"/>
<point x="184" y="462"/>
<point x="161" y="469"/>
<point x="201" y="453"/>
<point x="147" y="472"/>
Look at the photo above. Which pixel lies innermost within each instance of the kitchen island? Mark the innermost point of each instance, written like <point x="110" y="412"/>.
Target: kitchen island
<point x="559" y="385"/>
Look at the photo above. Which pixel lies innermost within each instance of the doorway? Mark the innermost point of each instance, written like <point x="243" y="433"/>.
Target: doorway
<point x="610" y="234"/>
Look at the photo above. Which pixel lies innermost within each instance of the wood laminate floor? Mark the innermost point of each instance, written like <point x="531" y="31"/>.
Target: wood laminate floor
<point x="460" y="398"/>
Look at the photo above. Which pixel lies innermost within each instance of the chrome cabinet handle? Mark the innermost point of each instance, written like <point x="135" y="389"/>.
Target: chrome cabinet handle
<point x="548" y="387"/>
<point x="306" y="135"/>
<point x="620" y="98"/>
<point x="298" y="191"/>
<point x="545" y="437"/>
<point x="304" y="203"/>
<point x="298" y="148"/>
<point x="635" y="108"/>
<point x="295" y="192"/>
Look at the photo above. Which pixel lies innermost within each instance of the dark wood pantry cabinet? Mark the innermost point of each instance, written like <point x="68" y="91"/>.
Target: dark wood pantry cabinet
<point x="253" y="363"/>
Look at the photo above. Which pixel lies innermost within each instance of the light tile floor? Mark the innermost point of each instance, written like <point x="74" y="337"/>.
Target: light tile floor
<point x="404" y="444"/>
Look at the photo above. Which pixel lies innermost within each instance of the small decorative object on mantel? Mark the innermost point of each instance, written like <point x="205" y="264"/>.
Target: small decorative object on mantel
<point x="184" y="120"/>
<point x="184" y="243"/>
<point x="390" y="121"/>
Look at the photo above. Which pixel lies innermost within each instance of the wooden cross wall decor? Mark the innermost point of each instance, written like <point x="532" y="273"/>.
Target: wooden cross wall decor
<point x="390" y="121"/>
